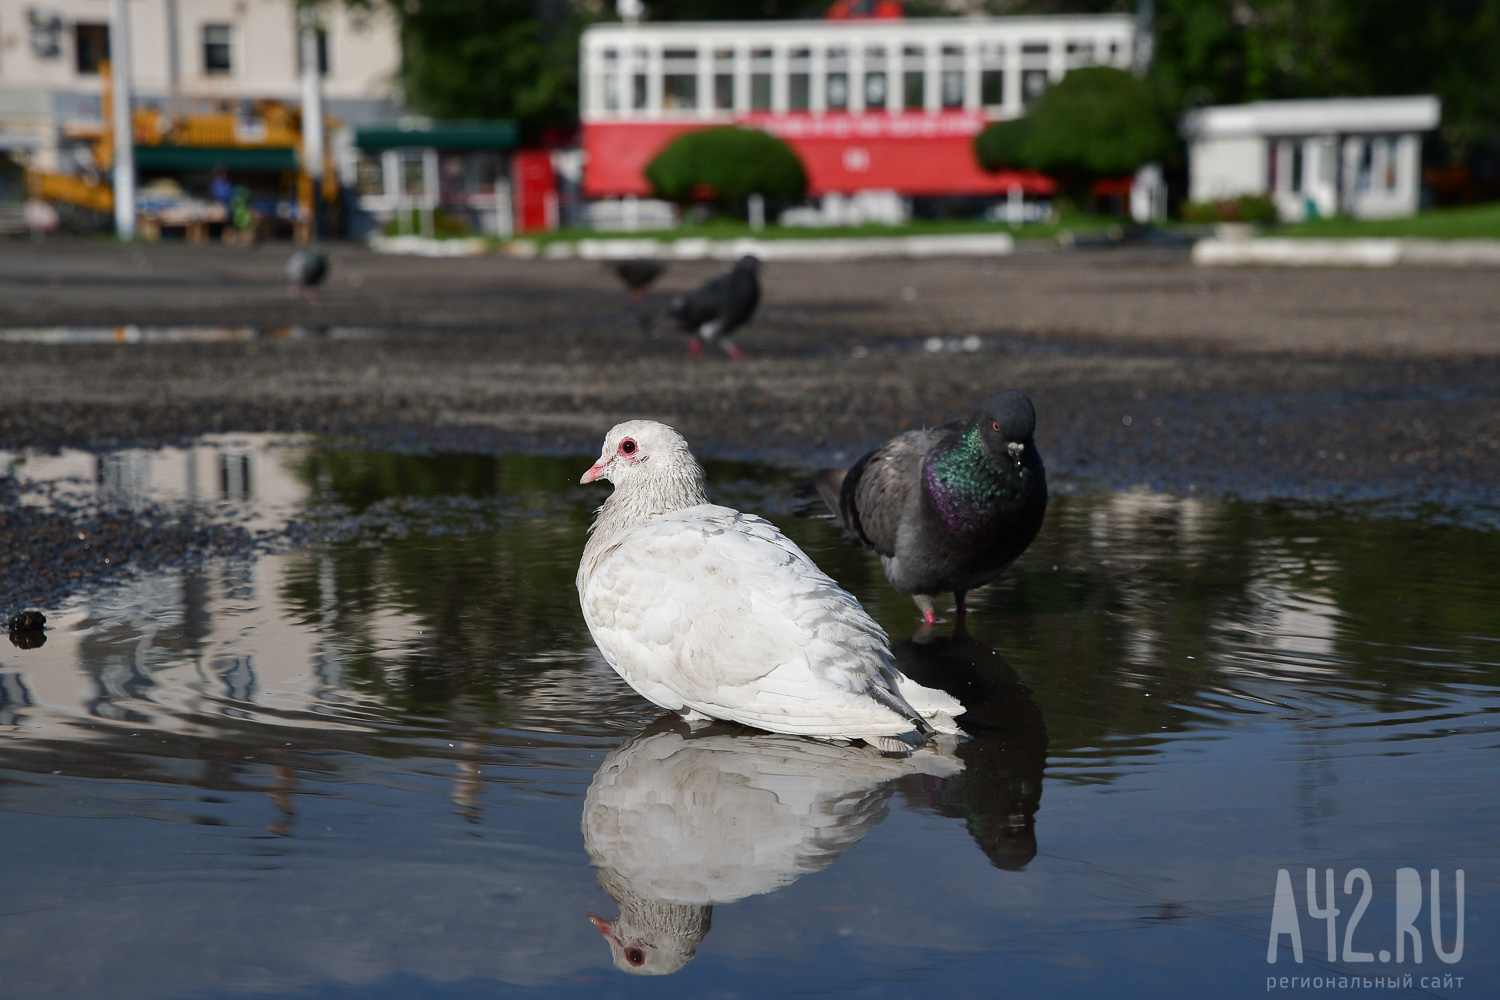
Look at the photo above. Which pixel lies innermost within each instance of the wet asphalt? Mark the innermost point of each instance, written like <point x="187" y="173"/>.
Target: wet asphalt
<point x="1316" y="385"/>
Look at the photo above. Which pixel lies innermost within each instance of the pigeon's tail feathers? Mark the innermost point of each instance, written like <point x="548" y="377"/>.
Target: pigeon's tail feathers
<point x="819" y="496"/>
<point x="898" y="745"/>
<point x="937" y="708"/>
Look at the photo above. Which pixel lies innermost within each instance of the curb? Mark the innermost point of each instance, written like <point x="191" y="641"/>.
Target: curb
<point x="1283" y="252"/>
<point x="831" y="248"/>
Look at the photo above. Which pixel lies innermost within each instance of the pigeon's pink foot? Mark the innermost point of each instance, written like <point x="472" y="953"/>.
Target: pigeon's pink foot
<point x="963" y="608"/>
<point x="695" y="348"/>
<point x="734" y="352"/>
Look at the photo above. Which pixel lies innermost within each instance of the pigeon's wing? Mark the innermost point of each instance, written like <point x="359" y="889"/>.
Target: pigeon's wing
<point x="702" y="305"/>
<point x="876" y="489"/>
<point x="719" y="612"/>
<point x="741" y="296"/>
<point x="317" y="268"/>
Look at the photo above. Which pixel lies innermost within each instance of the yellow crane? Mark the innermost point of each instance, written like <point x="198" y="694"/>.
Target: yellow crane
<point x="270" y="126"/>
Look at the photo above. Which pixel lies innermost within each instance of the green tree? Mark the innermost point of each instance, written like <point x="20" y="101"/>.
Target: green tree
<point x="728" y="165"/>
<point x="1095" y="122"/>
<point x="491" y="59"/>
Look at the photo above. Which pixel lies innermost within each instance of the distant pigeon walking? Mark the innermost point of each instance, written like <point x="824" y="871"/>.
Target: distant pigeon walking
<point x="719" y="306"/>
<point x="305" y="271"/>
<point x="948" y="508"/>
<point x="638" y="274"/>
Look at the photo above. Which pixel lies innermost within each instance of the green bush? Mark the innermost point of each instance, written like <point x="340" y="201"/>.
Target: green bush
<point x="1095" y="122"/>
<point x="1257" y="208"/>
<point x="726" y="165"/>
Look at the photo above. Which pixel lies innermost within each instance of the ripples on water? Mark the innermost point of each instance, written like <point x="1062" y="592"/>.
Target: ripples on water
<point x="384" y="759"/>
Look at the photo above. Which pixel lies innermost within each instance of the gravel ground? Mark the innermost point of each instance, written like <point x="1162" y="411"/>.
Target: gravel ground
<point x="1144" y="369"/>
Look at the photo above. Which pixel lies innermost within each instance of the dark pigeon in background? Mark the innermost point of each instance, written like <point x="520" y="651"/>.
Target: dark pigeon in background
<point x="305" y="271"/>
<point x="947" y="508"/>
<point x="638" y="274"/>
<point x="719" y="306"/>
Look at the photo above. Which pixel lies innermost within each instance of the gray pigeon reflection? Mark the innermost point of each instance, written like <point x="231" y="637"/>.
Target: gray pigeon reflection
<point x="679" y="819"/>
<point x="1000" y="788"/>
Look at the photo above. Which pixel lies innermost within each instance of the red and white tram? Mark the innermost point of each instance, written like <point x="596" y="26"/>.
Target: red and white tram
<point x="874" y="104"/>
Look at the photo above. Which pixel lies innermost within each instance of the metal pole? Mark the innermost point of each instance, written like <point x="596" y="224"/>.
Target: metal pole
<point x="174" y="64"/>
<point x="124" y="133"/>
<point x="312" y="109"/>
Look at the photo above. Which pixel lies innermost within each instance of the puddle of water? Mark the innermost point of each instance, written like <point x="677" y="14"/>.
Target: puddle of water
<point x="387" y="761"/>
<point x="135" y="334"/>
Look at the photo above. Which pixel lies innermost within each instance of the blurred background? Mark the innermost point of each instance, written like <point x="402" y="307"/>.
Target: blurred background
<point x="453" y="118"/>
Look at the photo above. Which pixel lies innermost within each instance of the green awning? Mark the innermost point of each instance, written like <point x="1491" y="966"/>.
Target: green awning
<point x="234" y="158"/>
<point x="454" y="134"/>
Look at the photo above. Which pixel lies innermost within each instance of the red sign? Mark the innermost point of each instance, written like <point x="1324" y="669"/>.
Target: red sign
<point x="912" y="153"/>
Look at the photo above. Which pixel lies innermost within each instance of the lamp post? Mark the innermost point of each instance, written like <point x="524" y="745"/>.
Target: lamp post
<point x="312" y="110"/>
<point x="124" y="132"/>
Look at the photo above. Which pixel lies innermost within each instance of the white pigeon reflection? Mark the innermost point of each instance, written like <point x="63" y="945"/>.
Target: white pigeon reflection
<point x="677" y="820"/>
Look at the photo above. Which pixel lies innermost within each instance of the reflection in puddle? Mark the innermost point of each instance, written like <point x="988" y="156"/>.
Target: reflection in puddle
<point x="677" y="821"/>
<point x="360" y="748"/>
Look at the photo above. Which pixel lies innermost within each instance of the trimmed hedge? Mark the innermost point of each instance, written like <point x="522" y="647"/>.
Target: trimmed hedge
<point x="728" y="165"/>
<point x="1096" y="121"/>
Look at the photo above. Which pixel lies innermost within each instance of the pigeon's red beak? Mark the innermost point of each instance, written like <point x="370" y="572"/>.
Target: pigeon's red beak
<point x="595" y="471"/>
<point x="599" y="922"/>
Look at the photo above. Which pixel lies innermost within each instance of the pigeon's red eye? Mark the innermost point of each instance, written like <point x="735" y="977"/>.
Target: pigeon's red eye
<point x="994" y="425"/>
<point x="635" y="956"/>
<point x="627" y="447"/>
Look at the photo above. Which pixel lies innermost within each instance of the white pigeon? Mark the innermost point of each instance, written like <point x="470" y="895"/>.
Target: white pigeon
<point x="678" y="822"/>
<point x="713" y="613"/>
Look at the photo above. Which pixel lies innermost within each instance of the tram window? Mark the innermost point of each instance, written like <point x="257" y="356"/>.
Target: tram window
<point x="913" y="89"/>
<point x="638" y="91"/>
<point x="992" y="87"/>
<point x="760" y="92"/>
<point x="723" y="91"/>
<point x="838" y="92"/>
<point x="798" y="91"/>
<point x="953" y="88"/>
<point x="1033" y="85"/>
<point x="679" y="92"/>
<point x="875" y="89"/>
<point x="611" y="83"/>
<point x="1034" y="49"/>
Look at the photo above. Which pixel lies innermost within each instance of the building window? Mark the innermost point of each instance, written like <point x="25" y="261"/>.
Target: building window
<point x="760" y="92"/>
<point x="723" y="79"/>
<point x="760" y="80"/>
<point x="680" y="79"/>
<point x="679" y="92"/>
<point x="218" y="42"/>
<point x="838" y="92"/>
<point x="798" y="92"/>
<point x="992" y="87"/>
<point x="1033" y="85"/>
<point x="322" y="53"/>
<point x="1392" y="159"/>
<point x="953" y="87"/>
<point x="90" y="47"/>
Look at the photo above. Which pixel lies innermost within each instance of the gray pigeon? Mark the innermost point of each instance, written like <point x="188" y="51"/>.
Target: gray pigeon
<point x="719" y="306"/>
<point x="638" y="274"/>
<point x="305" y="271"/>
<point x="950" y="507"/>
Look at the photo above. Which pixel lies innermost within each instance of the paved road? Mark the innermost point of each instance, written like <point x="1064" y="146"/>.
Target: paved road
<point x="1144" y="369"/>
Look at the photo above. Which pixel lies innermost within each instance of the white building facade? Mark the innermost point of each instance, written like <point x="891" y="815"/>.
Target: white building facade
<point x="1360" y="157"/>
<point x="188" y="53"/>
